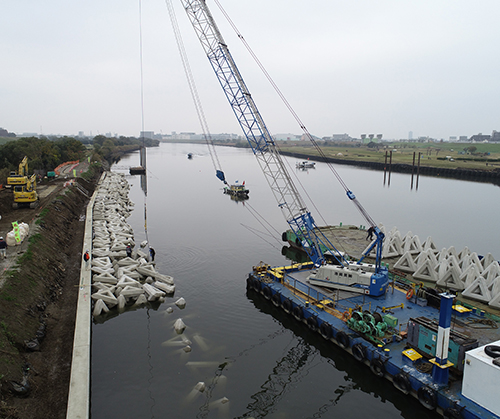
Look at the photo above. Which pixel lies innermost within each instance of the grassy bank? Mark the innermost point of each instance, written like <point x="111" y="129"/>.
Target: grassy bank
<point x="442" y="155"/>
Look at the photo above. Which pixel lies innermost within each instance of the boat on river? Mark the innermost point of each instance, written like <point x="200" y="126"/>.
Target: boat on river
<point x="306" y="164"/>
<point x="423" y="337"/>
<point x="237" y="190"/>
<point x="431" y="341"/>
<point x="137" y="170"/>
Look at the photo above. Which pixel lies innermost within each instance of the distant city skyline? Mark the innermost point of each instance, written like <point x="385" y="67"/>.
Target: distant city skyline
<point x="345" y="67"/>
<point x="495" y="136"/>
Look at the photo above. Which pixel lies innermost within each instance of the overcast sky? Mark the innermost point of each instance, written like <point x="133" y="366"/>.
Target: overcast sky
<point x="358" y="67"/>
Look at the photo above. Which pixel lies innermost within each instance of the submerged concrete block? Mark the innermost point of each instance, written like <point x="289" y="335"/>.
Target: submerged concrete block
<point x="152" y="292"/>
<point x="131" y="292"/>
<point x="169" y="289"/>
<point x="105" y="278"/>
<point x="126" y="281"/>
<point x="179" y="326"/>
<point x="121" y="303"/>
<point x="105" y="295"/>
<point x="167" y="279"/>
<point x="99" y="308"/>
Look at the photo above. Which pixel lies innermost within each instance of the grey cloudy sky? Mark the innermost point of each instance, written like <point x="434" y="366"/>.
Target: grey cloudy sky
<point x="359" y="66"/>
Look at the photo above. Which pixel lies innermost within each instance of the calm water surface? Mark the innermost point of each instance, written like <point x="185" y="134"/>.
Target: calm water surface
<point x="254" y="361"/>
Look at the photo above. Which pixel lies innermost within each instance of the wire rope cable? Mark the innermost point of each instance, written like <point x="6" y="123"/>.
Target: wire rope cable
<point x="358" y="205"/>
<point x="192" y="87"/>
<point x="143" y="150"/>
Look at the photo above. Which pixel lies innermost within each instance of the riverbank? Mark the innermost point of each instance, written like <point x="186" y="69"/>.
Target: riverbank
<point x="38" y="301"/>
<point x="477" y="175"/>
<point x="449" y="160"/>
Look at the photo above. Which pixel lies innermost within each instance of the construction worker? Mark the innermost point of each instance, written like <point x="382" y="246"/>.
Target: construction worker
<point x="3" y="248"/>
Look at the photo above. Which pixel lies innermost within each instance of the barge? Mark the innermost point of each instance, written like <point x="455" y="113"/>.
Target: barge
<point x="137" y="170"/>
<point x="402" y="336"/>
<point x="424" y="341"/>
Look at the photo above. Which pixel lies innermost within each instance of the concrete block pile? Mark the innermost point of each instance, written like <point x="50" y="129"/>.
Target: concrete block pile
<point x="120" y="281"/>
<point x="475" y="276"/>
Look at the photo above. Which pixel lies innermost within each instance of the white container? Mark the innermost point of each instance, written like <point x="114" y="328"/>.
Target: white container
<point x="481" y="379"/>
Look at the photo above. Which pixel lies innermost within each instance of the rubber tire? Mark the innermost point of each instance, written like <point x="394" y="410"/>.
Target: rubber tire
<point x="249" y="282"/>
<point x="298" y="313"/>
<point x="492" y="350"/>
<point x="312" y="323"/>
<point x="402" y="383"/>
<point x="284" y="237"/>
<point x="257" y="286"/>
<point x="427" y="397"/>
<point x="325" y="330"/>
<point x="358" y="351"/>
<point x="287" y="306"/>
<point x="342" y="340"/>
<point x="452" y="413"/>
<point x="267" y="292"/>
<point x="377" y="366"/>
<point x="276" y="300"/>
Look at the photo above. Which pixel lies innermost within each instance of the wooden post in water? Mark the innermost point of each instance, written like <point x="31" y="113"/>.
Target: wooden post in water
<point x="412" y="170"/>
<point x="385" y="166"/>
<point x="390" y="167"/>
<point x="418" y="170"/>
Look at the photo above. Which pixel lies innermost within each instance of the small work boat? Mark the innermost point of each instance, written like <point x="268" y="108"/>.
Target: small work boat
<point x="237" y="190"/>
<point x="306" y="164"/>
<point x="137" y="170"/>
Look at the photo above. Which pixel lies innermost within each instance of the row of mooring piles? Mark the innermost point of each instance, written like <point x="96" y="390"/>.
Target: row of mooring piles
<point x="475" y="276"/>
<point x="120" y="280"/>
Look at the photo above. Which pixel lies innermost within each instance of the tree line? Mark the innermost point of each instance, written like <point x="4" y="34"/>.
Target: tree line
<point x="44" y="154"/>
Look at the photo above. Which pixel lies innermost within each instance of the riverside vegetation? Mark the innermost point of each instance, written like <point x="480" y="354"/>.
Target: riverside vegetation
<point x="39" y="279"/>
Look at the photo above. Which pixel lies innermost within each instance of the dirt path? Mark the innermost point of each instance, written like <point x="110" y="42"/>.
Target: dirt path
<point x="39" y="291"/>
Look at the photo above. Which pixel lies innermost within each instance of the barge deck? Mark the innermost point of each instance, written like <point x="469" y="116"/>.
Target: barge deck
<point x="403" y="348"/>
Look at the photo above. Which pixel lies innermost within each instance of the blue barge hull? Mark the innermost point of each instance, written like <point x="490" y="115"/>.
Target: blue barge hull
<point x="389" y="355"/>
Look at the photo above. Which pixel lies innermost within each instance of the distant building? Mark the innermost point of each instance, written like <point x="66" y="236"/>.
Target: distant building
<point x="192" y="136"/>
<point x="453" y="138"/>
<point x="410" y="135"/>
<point x="463" y="139"/>
<point x="286" y="137"/>
<point x="147" y="134"/>
<point x="495" y="136"/>
<point x="341" y="137"/>
<point x="480" y="138"/>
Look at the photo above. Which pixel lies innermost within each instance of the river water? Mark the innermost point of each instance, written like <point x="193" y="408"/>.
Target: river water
<point x="253" y="360"/>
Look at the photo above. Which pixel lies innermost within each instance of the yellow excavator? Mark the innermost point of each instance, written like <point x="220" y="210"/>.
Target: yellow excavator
<point x="23" y="186"/>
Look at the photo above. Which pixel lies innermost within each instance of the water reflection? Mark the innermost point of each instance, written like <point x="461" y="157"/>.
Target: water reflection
<point x="294" y="254"/>
<point x="358" y="376"/>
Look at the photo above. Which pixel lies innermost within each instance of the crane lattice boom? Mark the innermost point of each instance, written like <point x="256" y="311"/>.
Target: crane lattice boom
<point x="254" y="128"/>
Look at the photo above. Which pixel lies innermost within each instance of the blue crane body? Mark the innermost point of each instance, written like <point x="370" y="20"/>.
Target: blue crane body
<point x="264" y="148"/>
